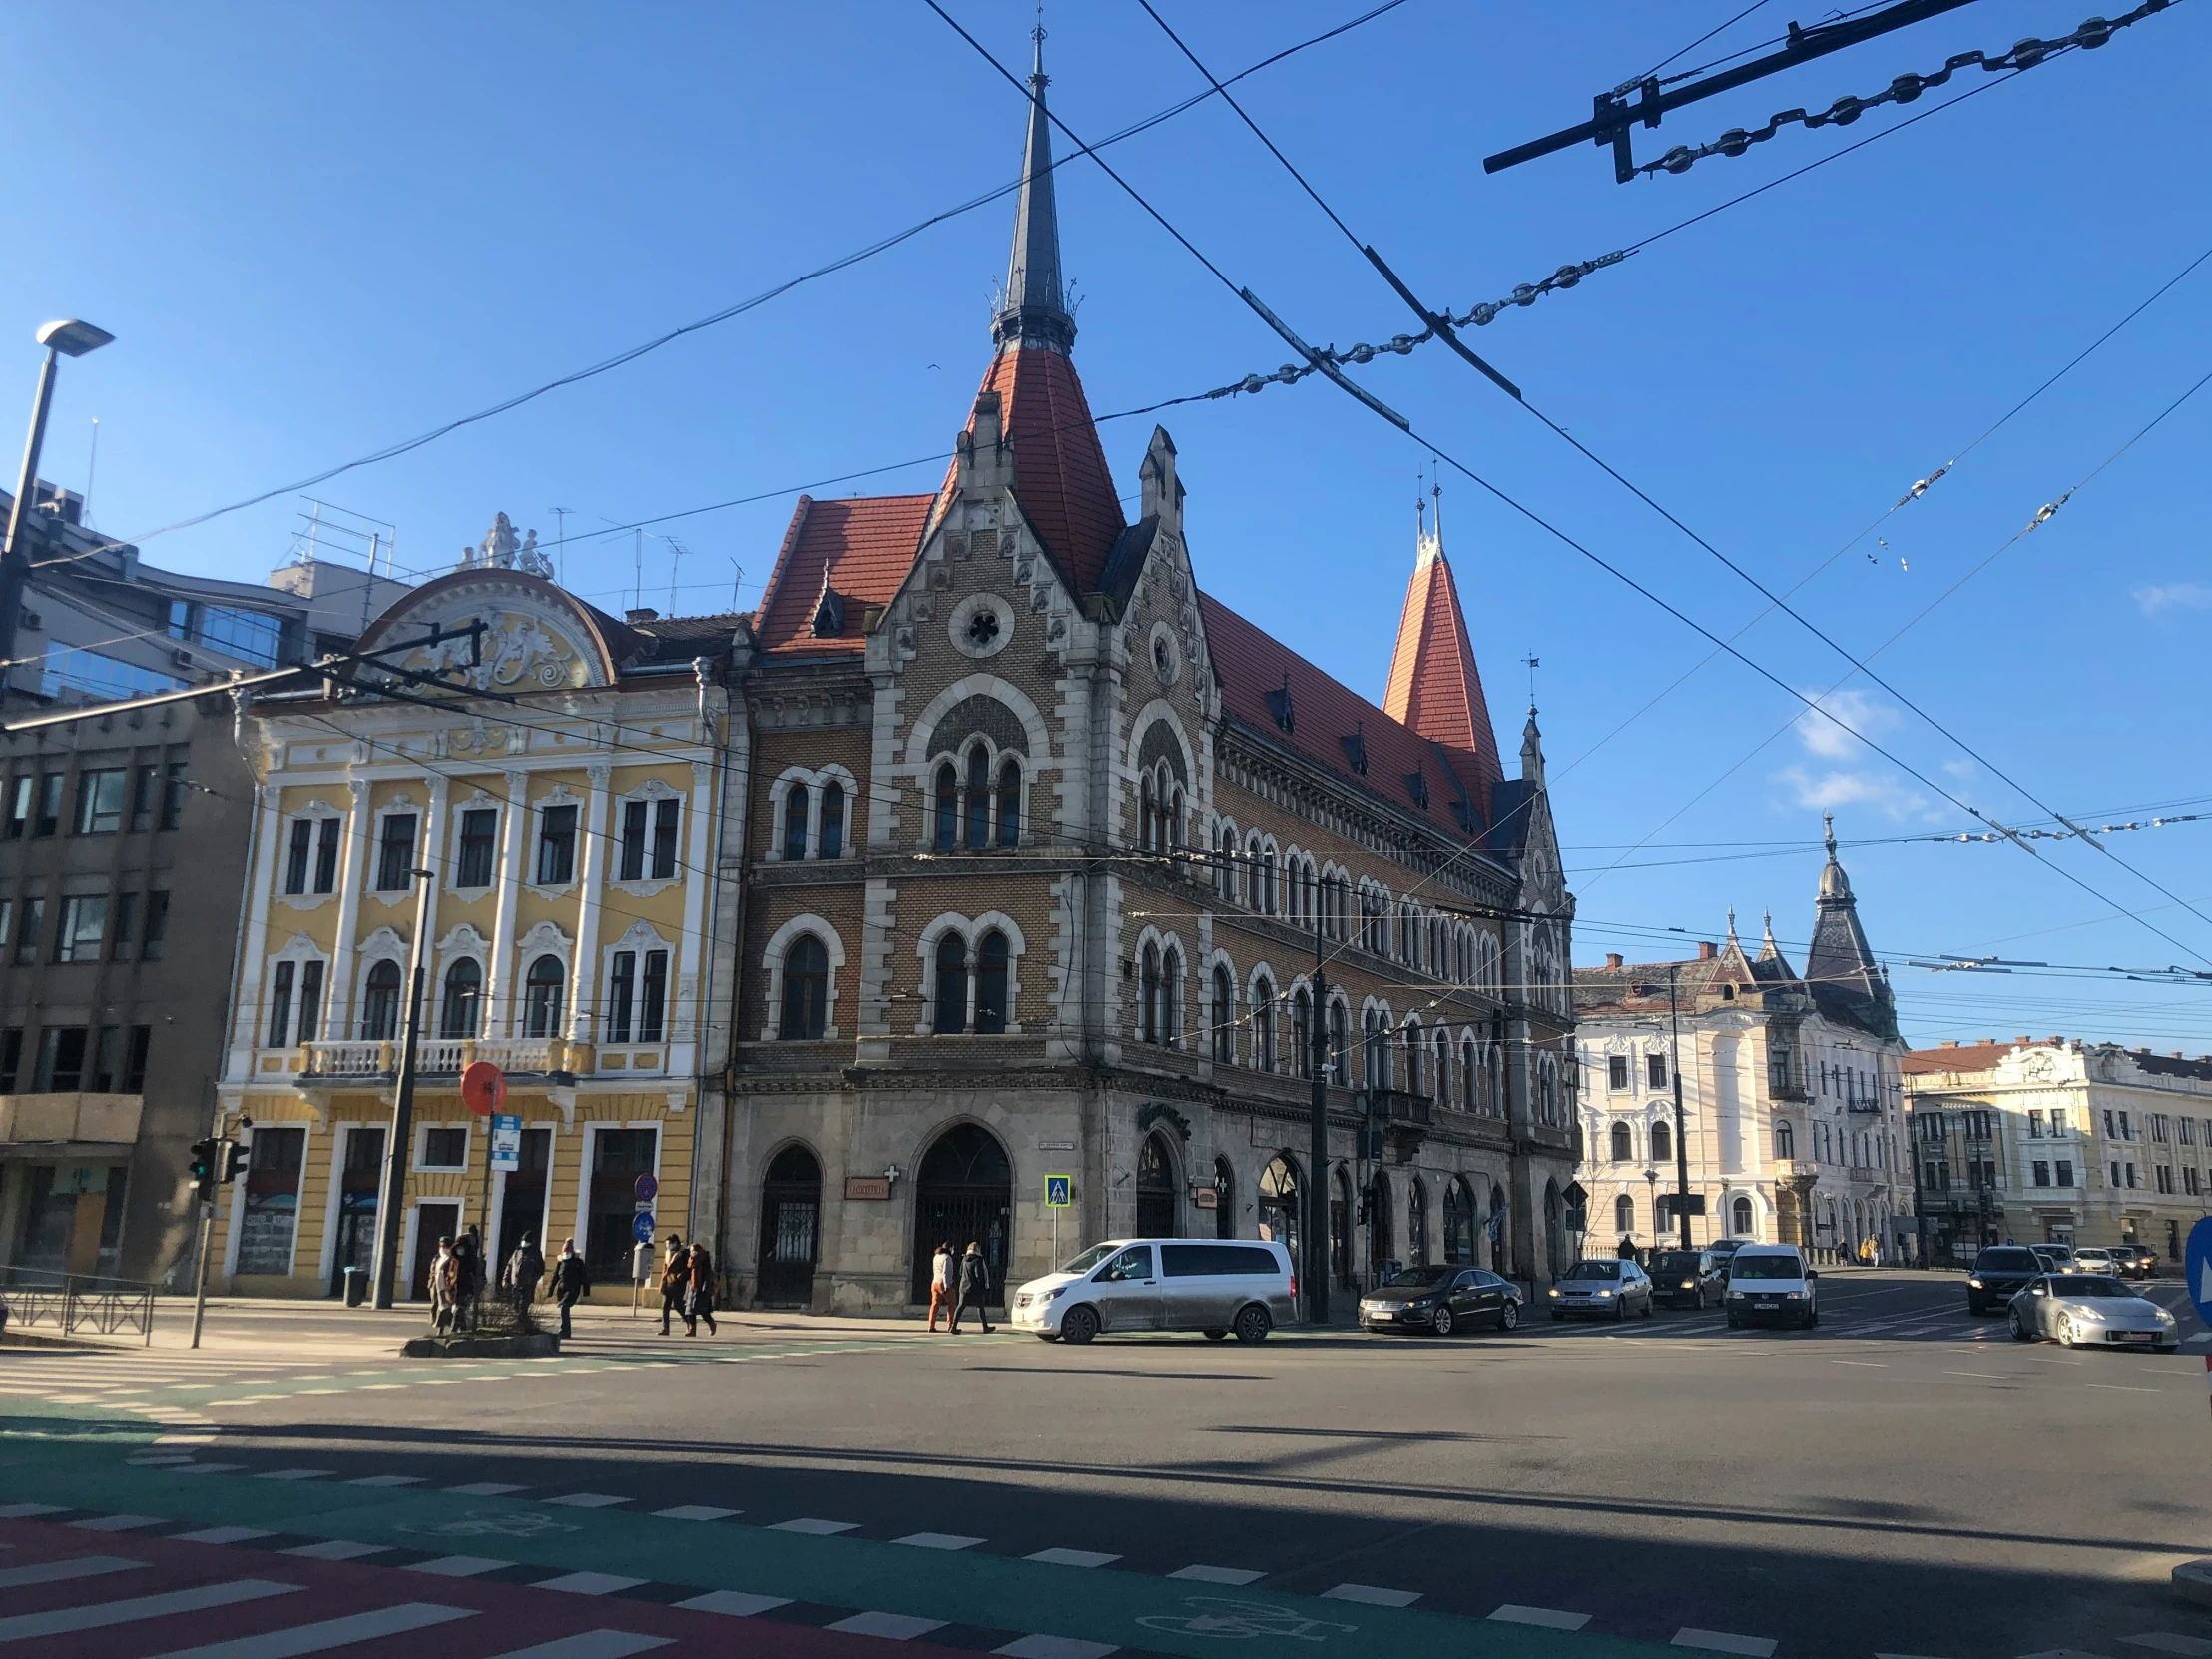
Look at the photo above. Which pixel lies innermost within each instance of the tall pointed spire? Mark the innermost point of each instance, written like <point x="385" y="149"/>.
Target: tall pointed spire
<point x="1839" y="965"/>
<point x="1033" y="311"/>
<point x="1434" y="686"/>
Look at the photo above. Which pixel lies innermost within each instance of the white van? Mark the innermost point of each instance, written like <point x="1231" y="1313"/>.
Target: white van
<point x="1214" y="1285"/>
<point x="1771" y="1284"/>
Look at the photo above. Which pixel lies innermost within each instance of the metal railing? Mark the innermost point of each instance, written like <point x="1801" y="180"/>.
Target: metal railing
<point x="67" y="1303"/>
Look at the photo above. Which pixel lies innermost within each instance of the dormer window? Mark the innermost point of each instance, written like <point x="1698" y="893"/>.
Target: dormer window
<point x="1279" y="704"/>
<point x="1356" y="750"/>
<point x="1416" y="786"/>
<point x="829" y="609"/>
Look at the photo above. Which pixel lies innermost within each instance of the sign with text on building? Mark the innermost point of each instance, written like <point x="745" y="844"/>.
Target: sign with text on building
<point x="1059" y="1191"/>
<point x="867" y="1188"/>
<point x="506" y="1141"/>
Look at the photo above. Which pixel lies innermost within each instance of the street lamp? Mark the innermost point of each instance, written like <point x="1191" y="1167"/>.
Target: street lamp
<point x="1651" y="1180"/>
<point x="68" y="338"/>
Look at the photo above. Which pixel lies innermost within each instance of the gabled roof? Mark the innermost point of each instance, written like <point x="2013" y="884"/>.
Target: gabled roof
<point x="1434" y="686"/>
<point x="865" y="547"/>
<point x="1325" y="713"/>
<point x="1955" y="1057"/>
<point x="1060" y="473"/>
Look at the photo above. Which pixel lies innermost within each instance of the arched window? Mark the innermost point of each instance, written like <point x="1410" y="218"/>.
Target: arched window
<point x="380" y="1004"/>
<point x="465" y="999"/>
<point x="948" y="807"/>
<point x="990" y="984"/>
<point x="806" y="990"/>
<point x="978" y="799"/>
<point x="1443" y="1067"/>
<point x="1301" y="1032"/>
<point x="1412" y="1039"/>
<point x="542" y="990"/>
<point x="1280" y="1208"/>
<point x="1624" y="1149"/>
<point x="1225" y="1038"/>
<point x="795" y="823"/>
<point x="1339" y="1044"/>
<point x="1624" y="1215"/>
<point x="1148" y="993"/>
<point x="1009" y="803"/>
<point x="1146" y="814"/>
<point x="1785" y="1139"/>
<point x="1416" y="1223"/>
<point x="1662" y="1142"/>
<point x="1458" y="1223"/>
<point x="1171" y="995"/>
<point x="1225" y="1201"/>
<point x="1467" y="1075"/>
<point x="830" y="842"/>
<point x="1371" y="1050"/>
<point x="1225" y="866"/>
<point x="1266" y="905"/>
<point x="1172" y="810"/>
<point x="1740" y="1217"/>
<point x="952" y="984"/>
<point x="1262" y="1023"/>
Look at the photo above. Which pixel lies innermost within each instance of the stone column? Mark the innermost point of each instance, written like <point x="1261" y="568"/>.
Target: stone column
<point x="591" y="875"/>
<point x="246" y="1016"/>
<point x="499" y="983"/>
<point x="433" y="858"/>
<point x="690" y="949"/>
<point x="352" y="876"/>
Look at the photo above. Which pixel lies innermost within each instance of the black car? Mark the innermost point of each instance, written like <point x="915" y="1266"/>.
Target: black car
<point x="1999" y="1273"/>
<point x="1440" y="1300"/>
<point x="2134" y="1261"/>
<point x="1688" y="1278"/>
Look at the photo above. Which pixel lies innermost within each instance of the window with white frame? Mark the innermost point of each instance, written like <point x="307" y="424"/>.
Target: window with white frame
<point x="311" y="854"/>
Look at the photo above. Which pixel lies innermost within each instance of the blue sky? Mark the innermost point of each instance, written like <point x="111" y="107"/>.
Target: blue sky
<point x="316" y="230"/>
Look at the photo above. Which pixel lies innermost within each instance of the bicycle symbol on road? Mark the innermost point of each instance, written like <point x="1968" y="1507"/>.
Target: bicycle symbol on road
<point x="479" y="1524"/>
<point x="1242" y="1621"/>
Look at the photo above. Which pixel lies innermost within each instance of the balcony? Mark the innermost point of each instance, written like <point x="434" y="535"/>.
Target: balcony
<point x="1400" y="1117"/>
<point x="330" y="1062"/>
<point x="53" y="1120"/>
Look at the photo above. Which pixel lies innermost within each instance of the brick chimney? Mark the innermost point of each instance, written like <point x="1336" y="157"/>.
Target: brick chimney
<point x="1613" y="960"/>
<point x="1706" y="950"/>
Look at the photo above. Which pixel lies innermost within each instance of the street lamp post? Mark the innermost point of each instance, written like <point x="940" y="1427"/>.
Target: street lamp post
<point x="1681" y="1141"/>
<point x="396" y="1148"/>
<point x="1651" y="1179"/>
<point x="62" y="339"/>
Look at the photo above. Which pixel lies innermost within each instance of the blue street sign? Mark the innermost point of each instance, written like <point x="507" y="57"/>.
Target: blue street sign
<point x="641" y="1226"/>
<point x="646" y="1188"/>
<point x="2196" y="1258"/>
<point x="1058" y="1190"/>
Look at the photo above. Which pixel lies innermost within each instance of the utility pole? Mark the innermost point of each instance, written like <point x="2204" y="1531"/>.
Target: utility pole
<point x="1681" y="1141"/>
<point x="398" y="1144"/>
<point x="1317" y="1174"/>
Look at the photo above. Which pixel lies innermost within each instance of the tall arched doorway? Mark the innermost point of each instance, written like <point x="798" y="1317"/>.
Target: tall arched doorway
<point x="964" y="1191"/>
<point x="1381" y="1230"/>
<point x="1281" y="1213"/>
<point x="1459" y="1225"/>
<point x="1156" y="1206"/>
<point x="1340" y="1230"/>
<point x="1417" y="1223"/>
<point x="791" y="1228"/>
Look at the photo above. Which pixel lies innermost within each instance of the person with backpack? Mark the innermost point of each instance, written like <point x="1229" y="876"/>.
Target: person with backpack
<point x="571" y="1280"/>
<point x="975" y="1288"/>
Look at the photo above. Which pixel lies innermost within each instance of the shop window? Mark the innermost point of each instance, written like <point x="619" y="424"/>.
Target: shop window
<point x="619" y="1157"/>
<point x="271" y="1200"/>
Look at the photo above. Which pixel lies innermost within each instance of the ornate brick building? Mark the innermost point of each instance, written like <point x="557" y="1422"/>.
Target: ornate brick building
<point x="1040" y="845"/>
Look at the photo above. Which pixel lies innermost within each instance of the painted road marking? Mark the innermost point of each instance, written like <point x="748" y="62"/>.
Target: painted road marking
<point x="485" y="1488"/>
<point x="939" y="1541"/>
<point x="587" y="1583"/>
<point x="898" y="1627"/>
<point x="1072" y="1558"/>
<point x="587" y="1500"/>
<point x="459" y="1566"/>
<point x="388" y="1480"/>
<point x="115" y="1523"/>
<point x="591" y="1644"/>
<point x="1551" y="1618"/>
<point x="295" y="1474"/>
<point x="224" y="1535"/>
<point x="815" y="1528"/>
<point x="338" y="1549"/>
<point x="735" y="1603"/>
<point x="2189" y="1647"/>
<point x="330" y="1633"/>
<point x="60" y="1621"/>
<point x="56" y="1572"/>
<point x="204" y="1468"/>
<point x="28" y="1512"/>
<point x="1056" y="1647"/>
<point x="1218" y="1575"/>
<point x="697" y="1513"/>
<point x="1720" y="1641"/>
<point x="1375" y="1595"/>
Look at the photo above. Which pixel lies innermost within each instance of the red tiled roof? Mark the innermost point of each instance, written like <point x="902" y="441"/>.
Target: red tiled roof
<point x="1433" y="685"/>
<point x="1956" y="1057"/>
<point x="1060" y="474"/>
<point x="867" y="544"/>
<point x="1253" y="663"/>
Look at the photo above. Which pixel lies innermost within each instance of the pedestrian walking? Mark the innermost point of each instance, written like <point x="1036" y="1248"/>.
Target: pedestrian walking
<point x="975" y="1288"/>
<point x="699" y="1292"/>
<point x="439" y="1281"/>
<point x="468" y="1280"/>
<point x="519" y="1278"/>
<point x="942" y="1271"/>
<point x="675" y="1280"/>
<point x="571" y="1280"/>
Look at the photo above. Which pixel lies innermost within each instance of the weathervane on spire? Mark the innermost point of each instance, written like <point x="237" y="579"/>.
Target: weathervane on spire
<point x="1828" y="824"/>
<point x="1534" y="661"/>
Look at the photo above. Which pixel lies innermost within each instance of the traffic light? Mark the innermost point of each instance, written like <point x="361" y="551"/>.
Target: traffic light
<point x="202" y="1169"/>
<point x="234" y="1161"/>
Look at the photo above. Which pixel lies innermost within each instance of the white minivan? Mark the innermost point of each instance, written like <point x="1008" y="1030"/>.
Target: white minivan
<point x="1772" y="1284"/>
<point x="1214" y="1285"/>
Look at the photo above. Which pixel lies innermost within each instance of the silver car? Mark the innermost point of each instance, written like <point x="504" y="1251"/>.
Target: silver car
<point x="1601" y="1287"/>
<point x="2090" y="1310"/>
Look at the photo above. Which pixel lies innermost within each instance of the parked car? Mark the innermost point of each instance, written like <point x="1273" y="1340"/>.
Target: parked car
<point x="1688" y="1278"/>
<point x="1772" y="1284"/>
<point x="1440" y="1300"/>
<point x="1999" y="1273"/>
<point x="1240" y="1284"/>
<point x="2135" y="1261"/>
<point x="1604" y="1285"/>
<point x="2091" y="1309"/>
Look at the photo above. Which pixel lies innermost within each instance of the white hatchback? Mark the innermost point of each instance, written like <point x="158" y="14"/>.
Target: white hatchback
<point x="1240" y="1284"/>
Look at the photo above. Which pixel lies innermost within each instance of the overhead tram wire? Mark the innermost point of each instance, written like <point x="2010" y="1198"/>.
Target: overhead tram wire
<point x="1774" y="600"/>
<point x="1375" y="406"/>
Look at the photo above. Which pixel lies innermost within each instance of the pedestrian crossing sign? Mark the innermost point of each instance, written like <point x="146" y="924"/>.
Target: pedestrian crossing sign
<point x="1057" y="1191"/>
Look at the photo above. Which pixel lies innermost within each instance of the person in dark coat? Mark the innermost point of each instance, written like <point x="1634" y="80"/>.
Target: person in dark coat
<point x="675" y="1280"/>
<point x="975" y="1288"/>
<point x="571" y="1280"/>
<point x="467" y="1280"/>
<point x="521" y="1274"/>
<point x="699" y="1292"/>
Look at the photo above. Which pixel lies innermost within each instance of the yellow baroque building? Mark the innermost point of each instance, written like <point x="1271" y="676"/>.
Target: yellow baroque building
<point x="558" y="776"/>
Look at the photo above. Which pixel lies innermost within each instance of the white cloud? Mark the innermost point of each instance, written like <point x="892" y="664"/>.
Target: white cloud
<point x="2158" y="598"/>
<point x="1827" y="729"/>
<point x="1832" y="788"/>
<point x="1964" y="771"/>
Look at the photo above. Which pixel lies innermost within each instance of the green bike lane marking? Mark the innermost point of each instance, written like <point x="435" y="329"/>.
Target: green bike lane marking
<point x="68" y="1457"/>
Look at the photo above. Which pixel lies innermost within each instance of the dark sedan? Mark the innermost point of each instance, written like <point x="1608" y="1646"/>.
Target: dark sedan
<point x="2134" y="1261"/>
<point x="1999" y="1273"/>
<point x="1439" y="1299"/>
<point x="1688" y="1278"/>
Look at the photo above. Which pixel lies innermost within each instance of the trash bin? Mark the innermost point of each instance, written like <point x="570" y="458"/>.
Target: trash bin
<point x="356" y="1287"/>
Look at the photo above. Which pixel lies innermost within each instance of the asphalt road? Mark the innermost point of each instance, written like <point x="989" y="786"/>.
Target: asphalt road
<point x="1904" y="1480"/>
